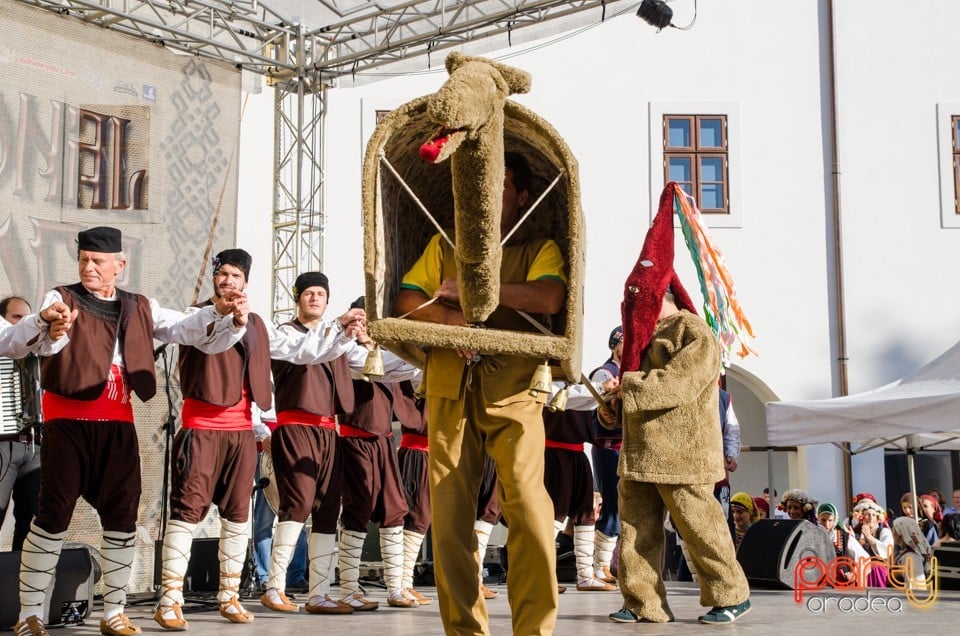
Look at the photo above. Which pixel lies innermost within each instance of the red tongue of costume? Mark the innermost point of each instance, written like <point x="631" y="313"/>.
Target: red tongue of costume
<point x="430" y="150"/>
<point x="643" y="292"/>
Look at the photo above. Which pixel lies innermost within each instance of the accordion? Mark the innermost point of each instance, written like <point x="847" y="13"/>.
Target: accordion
<point x="19" y="394"/>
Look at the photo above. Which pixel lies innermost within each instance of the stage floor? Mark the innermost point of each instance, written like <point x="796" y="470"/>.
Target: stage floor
<point x="584" y="614"/>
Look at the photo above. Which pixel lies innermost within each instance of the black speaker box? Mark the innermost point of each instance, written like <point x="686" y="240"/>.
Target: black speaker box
<point x="68" y="600"/>
<point x="203" y="570"/>
<point x="771" y="549"/>
<point x="948" y="565"/>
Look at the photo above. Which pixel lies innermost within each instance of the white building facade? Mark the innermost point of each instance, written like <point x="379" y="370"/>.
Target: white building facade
<point x="766" y="69"/>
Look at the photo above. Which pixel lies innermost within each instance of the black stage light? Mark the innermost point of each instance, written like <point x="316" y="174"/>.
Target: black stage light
<point x="656" y="13"/>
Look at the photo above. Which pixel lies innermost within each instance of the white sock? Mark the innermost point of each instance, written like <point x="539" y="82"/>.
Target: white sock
<point x="583" y="540"/>
<point x="391" y="551"/>
<point x="284" y="543"/>
<point x="321" y="550"/>
<point x="116" y="556"/>
<point x="482" y="530"/>
<point x="177" y="542"/>
<point x="351" y="546"/>
<point x="38" y="562"/>
<point x="411" y="551"/>
<point x="233" y="554"/>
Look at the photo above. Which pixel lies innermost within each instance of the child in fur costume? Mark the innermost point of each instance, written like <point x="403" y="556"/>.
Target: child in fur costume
<point x="672" y="451"/>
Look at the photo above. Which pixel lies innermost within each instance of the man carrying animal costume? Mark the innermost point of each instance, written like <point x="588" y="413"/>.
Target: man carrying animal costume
<point x="477" y="404"/>
<point x="672" y="453"/>
<point x="90" y="447"/>
<point x="305" y="450"/>
<point x="215" y="453"/>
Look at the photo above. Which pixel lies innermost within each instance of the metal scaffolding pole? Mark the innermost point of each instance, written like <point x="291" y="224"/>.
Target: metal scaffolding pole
<point x="300" y="107"/>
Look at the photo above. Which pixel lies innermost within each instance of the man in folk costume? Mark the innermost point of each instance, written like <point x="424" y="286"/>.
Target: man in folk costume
<point x="672" y="453"/>
<point x="90" y="447"/>
<point x="489" y="515"/>
<point x="605" y="452"/>
<point x="415" y="476"/>
<point x="215" y="452"/>
<point x="372" y="489"/>
<point x="569" y="480"/>
<point x="306" y="458"/>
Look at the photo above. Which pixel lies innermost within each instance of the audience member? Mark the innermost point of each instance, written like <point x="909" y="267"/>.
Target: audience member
<point x="930" y="517"/>
<point x="874" y="537"/>
<point x="745" y="513"/>
<point x="912" y="551"/>
<point x="798" y="504"/>
<point x="844" y="543"/>
<point x="949" y="529"/>
<point x="763" y="507"/>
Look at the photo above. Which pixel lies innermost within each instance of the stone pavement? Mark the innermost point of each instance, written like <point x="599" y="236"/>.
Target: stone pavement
<point x="585" y="614"/>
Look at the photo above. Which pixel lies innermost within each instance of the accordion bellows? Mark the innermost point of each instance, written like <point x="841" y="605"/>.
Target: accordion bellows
<point x="396" y="230"/>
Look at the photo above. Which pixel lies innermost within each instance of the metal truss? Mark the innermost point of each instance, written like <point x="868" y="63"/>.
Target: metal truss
<point x="301" y="55"/>
<point x="298" y="219"/>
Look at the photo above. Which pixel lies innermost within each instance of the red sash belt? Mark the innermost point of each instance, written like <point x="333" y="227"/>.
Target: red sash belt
<point x="305" y="418"/>
<point x="113" y="404"/>
<point x="570" y="447"/>
<point x="352" y="431"/>
<point x="414" y="441"/>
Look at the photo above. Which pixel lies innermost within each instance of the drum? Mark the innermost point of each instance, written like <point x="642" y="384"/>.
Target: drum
<point x="270" y="491"/>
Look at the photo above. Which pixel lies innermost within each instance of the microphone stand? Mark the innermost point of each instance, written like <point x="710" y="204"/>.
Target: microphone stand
<point x="251" y="589"/>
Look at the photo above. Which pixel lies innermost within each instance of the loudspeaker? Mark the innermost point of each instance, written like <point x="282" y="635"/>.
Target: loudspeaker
<point x="67" y="601"/>
<point x="771" y="549"/>
<point x="203" y="570"/>
<point x="948" y="565"/>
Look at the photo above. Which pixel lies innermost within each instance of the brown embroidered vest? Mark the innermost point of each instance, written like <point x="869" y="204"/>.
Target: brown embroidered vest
<point x="219" y="378"/>
<point x="321" y="389"/>
<point x="373" y="408"/>
<point x="409" y="409"/>
<point x="80" y="370"/>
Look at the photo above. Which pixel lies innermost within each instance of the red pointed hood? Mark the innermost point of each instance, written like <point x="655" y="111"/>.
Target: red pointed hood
<point x="646" y="284"/>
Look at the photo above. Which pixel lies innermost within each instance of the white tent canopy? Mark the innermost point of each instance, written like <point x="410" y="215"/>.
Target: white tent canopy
<point x="919" y="411"/>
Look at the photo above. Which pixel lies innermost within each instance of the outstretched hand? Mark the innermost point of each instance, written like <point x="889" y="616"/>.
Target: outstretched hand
<point x="236" y="303"/>
<point x="60" y="318"/>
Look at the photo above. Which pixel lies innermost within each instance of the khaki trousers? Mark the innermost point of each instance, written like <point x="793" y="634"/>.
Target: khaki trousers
<point x="513" y="435"/>
<point x="699" y="519"/>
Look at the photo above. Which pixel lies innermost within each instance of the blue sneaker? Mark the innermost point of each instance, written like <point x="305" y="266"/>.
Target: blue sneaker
<point x="624" y="615"/>
<point x="724" y="615"/>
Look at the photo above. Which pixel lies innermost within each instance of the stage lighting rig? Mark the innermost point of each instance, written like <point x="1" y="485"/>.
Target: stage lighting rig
<point x="657" y="14"/>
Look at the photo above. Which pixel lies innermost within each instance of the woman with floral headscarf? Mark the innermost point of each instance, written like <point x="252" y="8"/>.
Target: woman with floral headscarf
<point x="799" y="505"/>
<point x="912" y="551"/>
<point x="875" y="538"/>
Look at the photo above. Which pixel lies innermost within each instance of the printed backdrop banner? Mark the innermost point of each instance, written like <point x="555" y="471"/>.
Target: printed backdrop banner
<point x="97" y="128"/>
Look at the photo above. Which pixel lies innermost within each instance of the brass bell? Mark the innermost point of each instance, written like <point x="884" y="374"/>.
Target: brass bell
<point x="373" y="366"/>
<point x="542" y="380"/>
<point x="559" y="400"/>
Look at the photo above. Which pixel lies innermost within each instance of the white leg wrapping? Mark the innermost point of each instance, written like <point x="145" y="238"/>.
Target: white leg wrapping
<point x="411" y="551"/>
<point x="351" y="546"/>
<point x="391" y="551"/>
<point x="321" y="550"/>
<point x="38" y="562"/>
<point x="482" y="530"/>
<point x="603" y="552"/>
<point x="233" y="554"/>
<point x="177" y="542"/>
<point x="284" y="543"/>
<point x="559" y="526"/>
<point x="583" y="540"/>
<point x="116" y="557"/>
